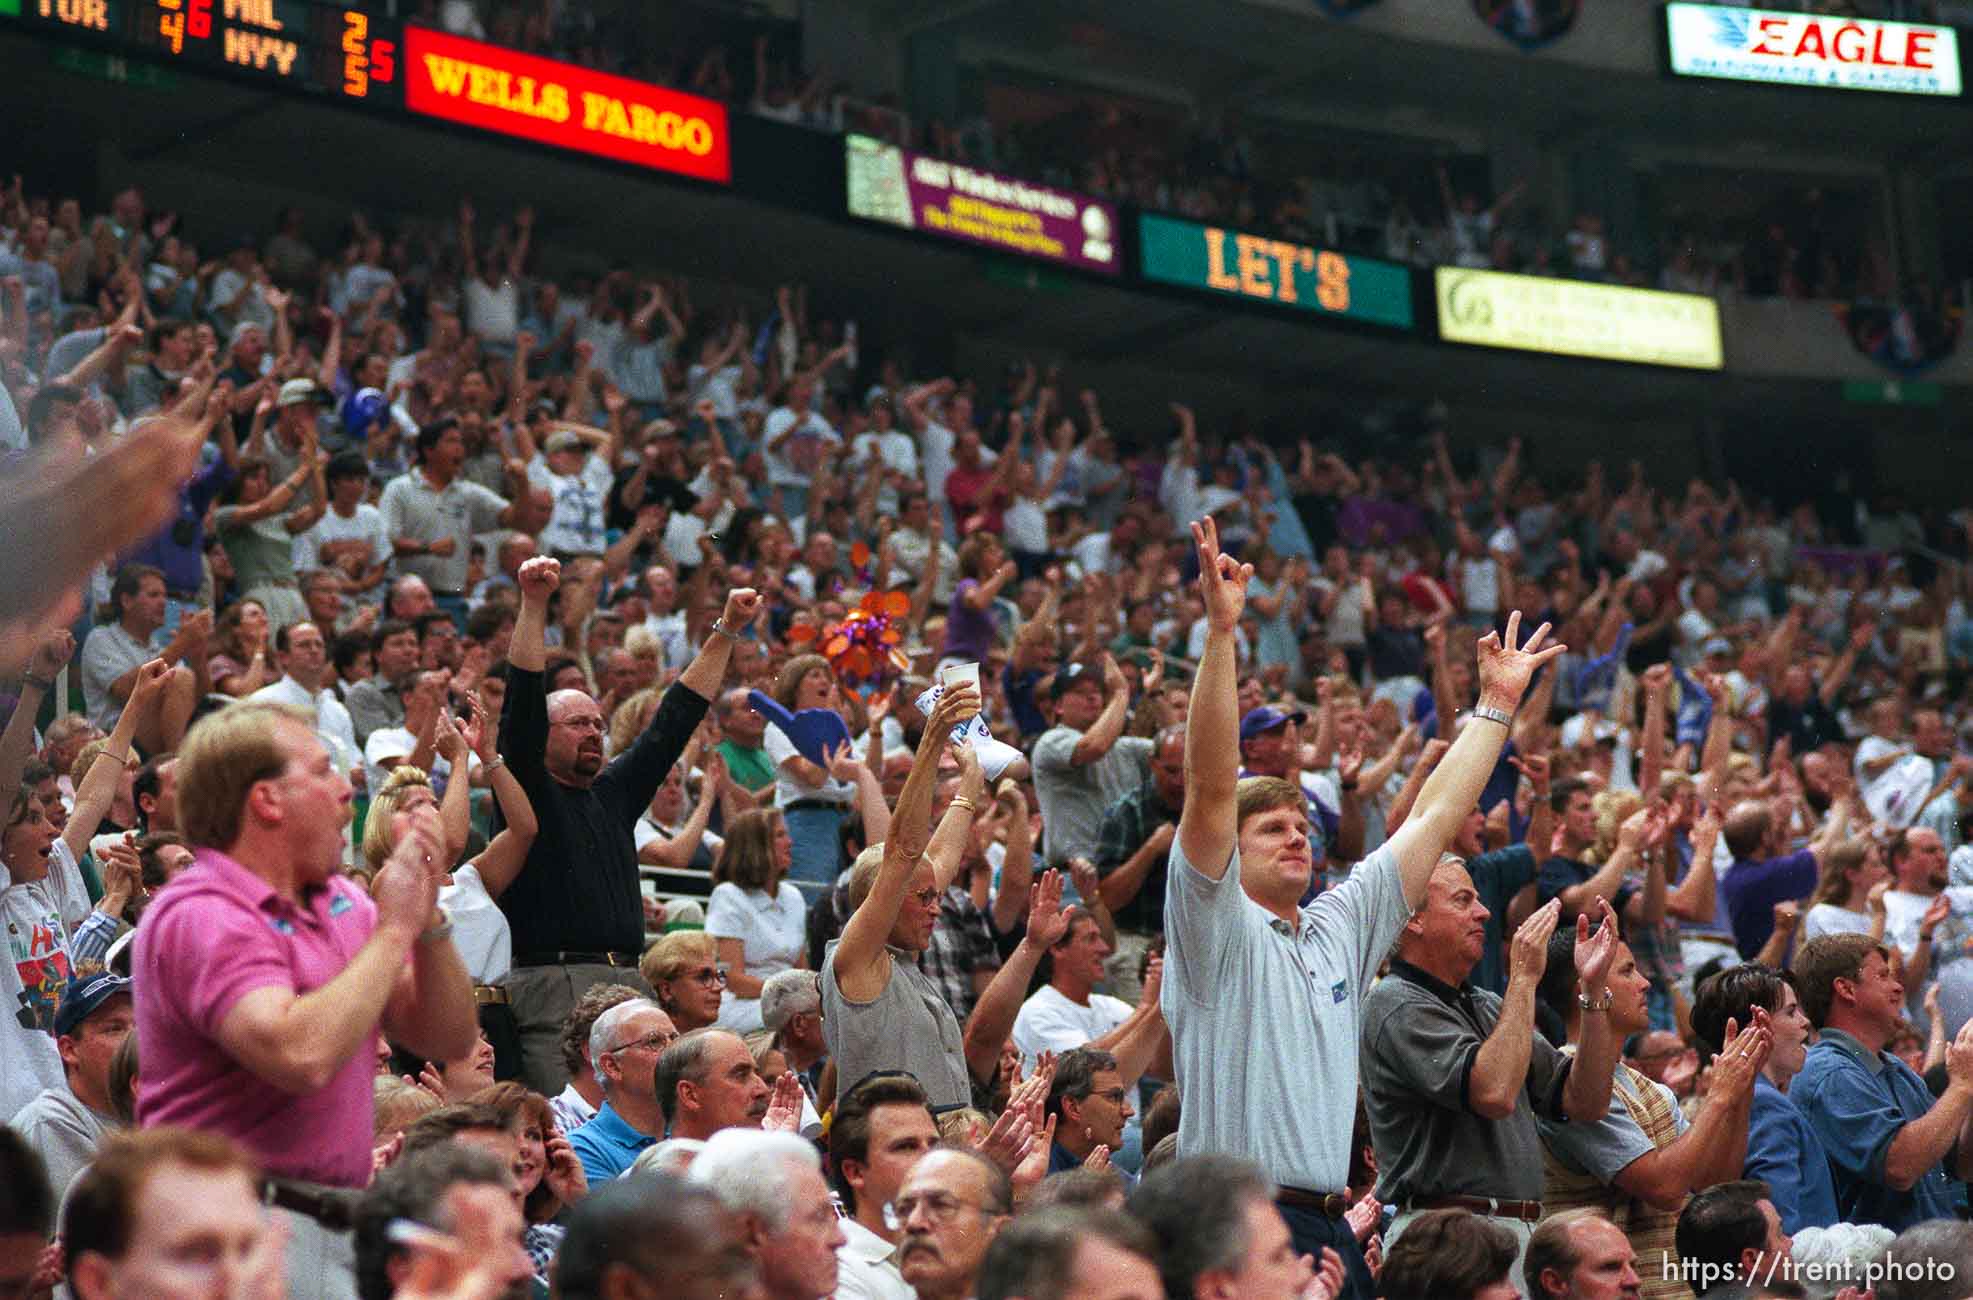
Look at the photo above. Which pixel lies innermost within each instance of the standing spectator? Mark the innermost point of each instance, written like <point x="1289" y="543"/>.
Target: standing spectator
<point x="812" y="799"/>
<point x="755" y="915"/>
<point x="626" y="1043"/>
<point x="378" y="700"/>
<point x="797" y="439"/>
<point x="43" y="901"/>
<point x="1249" y="1066"/>
<point x="575" y="907"/>
<point x="64" y="1125"/>
<point x="1886" y="1135"/>
<point x="1133" y="852"/>
<point x="1084" y="763"/>
<point x="152" y="1201"/>
<point x="115" y="652"/>
<point x="350" y="538"/>
<point x="773" y="1183"/>
<point x="574" y="466"/>
<point x="880" y="1129"/>
<point x="432" y="515"/>
<point x="1642" y="1159"/>
<point x="741" y="731"/>
<point x="303" y="657"/>
<point x="880" y="1012"/>
<point x="1067" y="1012"/>
<point x="1764" y="873"/>
<point x="269" y="1034"/>
<point x="1455" y="1078"/>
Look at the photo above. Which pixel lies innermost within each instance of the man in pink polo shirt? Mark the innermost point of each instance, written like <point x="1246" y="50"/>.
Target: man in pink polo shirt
<point x="271" y="975"/>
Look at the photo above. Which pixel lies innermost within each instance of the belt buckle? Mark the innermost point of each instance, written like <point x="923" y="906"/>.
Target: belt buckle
<point x="1333" y="1205"/>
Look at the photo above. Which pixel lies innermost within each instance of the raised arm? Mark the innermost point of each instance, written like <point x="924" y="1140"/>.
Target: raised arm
<point x="1209" y="826"/>
<point x="1454" y="788"/>
<point x="17" y="742"/>
<point x="98" y="788"/>
<point x="503" y="859"/>
<point x="860" y="958"/>
<point x="1000" y="1004"/>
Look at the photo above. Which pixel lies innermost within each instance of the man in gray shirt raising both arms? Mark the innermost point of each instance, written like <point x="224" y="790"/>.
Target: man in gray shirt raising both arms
<point x="1264" y="997"/>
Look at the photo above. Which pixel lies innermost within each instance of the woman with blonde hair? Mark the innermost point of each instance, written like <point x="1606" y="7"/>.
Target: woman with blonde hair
<point x="757" y="920"/>
<point x="683" y="970"/>
<point x="1849" y="894"/>
<point x="468" y="892"/>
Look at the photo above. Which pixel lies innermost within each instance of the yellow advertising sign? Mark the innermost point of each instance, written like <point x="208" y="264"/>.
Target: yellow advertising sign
<point x="1571" y="318"/>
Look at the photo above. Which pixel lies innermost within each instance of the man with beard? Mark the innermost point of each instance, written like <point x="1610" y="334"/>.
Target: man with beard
<point x="576" y="909"/>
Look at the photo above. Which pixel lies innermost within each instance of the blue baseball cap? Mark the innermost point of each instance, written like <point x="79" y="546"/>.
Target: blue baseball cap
<point x="1267" y="718"/>
<point x="84" y="998"/>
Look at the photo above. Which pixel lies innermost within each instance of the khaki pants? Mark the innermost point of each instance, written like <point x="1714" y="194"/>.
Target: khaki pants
<point x="542" y="997"/>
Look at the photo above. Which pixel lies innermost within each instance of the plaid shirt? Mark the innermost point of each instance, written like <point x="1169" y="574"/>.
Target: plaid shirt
<point x="962" y="944"/>
<point x="1125" y="828"/>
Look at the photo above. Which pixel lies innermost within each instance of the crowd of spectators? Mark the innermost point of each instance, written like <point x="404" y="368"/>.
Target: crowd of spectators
<point x="509" y="834"/>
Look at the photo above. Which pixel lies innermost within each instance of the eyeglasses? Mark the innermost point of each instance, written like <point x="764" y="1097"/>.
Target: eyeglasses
<point x="940" y="1209"/>
<point x="650" y="1043"/>
<point x="1115" y="1096"/>
<point x="707" y="975"/>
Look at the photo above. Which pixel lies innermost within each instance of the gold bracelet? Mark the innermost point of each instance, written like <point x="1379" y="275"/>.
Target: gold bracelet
<point x="961" y="801"/>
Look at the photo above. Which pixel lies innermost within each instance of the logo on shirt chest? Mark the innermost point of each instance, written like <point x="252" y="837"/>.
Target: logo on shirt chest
<point x="1339" y="992"/>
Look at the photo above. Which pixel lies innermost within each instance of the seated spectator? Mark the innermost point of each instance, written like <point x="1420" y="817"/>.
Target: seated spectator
<point x="755" y="916"/>
<point x="1577" y="1254"/>
<point x="707" y="1082"/>
<point x="1732" y="1230"/>
<point x="948" y="1210"/>
<point x="548" y="1175"/>
<point x="880" y="1129"/>
<point x="1782" y="1147"/>
<point x="1067" y="1012"/>
<point x="773" y="1183"/>
<point x="27" y="1219"/>
<point x="151" y="1201"/>
<point x="791" y="1009"/>
<point x="1450" y="1255"/>
<point x="1091" y="1106"/>
<point x="450" y="1081"/>
<point x="65" y="1125"/>
<point x="576" y="1105"/>
<point x="657" y="1235"/>
<point x="439" y="1187"/>
<point x="1218" y="1230"/>
<point x="626" y="1044"/>
<point x="683" y="967"/>
<point x="1070" y="1254"/>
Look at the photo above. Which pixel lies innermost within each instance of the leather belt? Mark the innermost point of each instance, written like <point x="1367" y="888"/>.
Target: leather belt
<point x="1528" y="1211"/>
<point x="813" y="805"/>
<point x="489" y="995"/>
<point x="576" y="959"/>
<point x="1333" y="1204"/>
<point x="332" y="1207"/>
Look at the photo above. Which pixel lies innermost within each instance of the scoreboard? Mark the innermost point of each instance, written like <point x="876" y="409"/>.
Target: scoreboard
<point x="333" y="49"/>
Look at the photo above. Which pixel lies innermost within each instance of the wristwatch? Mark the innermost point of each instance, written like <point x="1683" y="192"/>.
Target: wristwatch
<point x="1582" y="1000"/>
<point x="440" y="931"/>
<point x="1502" y="716"/>
<point x="719" y="628"/>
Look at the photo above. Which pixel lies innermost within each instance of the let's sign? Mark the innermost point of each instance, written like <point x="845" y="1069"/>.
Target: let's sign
<point x="1812" y="50"/>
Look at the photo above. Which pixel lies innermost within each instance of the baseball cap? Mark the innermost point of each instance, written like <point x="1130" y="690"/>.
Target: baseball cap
<point x="1071" y="676"/>
<point x="562" y="440"/>
<point x="1267" y="718"/>
<point x="297" y="391"/>
<point x="84" y="997"/>
<point x="1718" y="645"/>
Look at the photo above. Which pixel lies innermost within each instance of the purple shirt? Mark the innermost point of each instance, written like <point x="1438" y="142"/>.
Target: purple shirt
<point x="968" y="632"/>
<point x="213" y="935"/>
<point x="1751" y="889"/>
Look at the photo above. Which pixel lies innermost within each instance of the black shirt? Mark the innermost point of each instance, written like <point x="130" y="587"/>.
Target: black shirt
<point x="1809" y="727"/>
<point x="579" y="890"/>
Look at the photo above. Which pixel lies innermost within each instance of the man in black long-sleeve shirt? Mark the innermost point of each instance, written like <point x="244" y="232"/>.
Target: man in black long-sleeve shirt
<point x="576" y="909"/>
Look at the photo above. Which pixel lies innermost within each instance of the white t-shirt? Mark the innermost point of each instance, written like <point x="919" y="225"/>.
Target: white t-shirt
<point x="492" y="311"/>
<point x="895" y="450"/>
<point x="721" y="387"/>
<point x="1024" y="526"/>
<point x="1827" y="918"/>
<point x="787" y="790"/>
<point x="773" y="934"/>
<point x="366" y="525"/>
<point x="1050" y="1022"/>
<point x="576" y="526"/>
<point x="39" y="916"/>
<point x="479" y="928"/>
<point x="791" y="464"/>
<point x="396" y="743"/>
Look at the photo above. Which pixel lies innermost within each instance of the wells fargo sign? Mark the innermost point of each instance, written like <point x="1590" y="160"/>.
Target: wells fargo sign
<point x="559" y="104"/>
